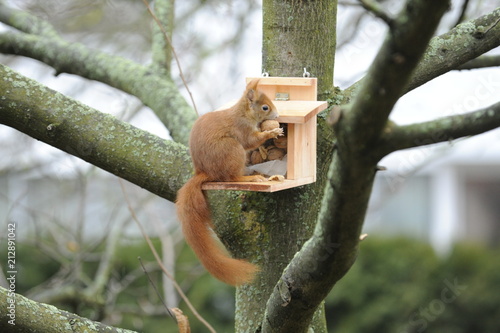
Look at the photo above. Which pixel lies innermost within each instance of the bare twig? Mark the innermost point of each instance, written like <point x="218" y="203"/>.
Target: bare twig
<point x="463" y="10"/>
<point x="493" y="25"/>
<point x="176" y="313"/>
<point x="181" y="74"/>
<point x="103" y="273"/>
<point x="159" y="261"/>
<point x="170" y="313"/>
<point x="448" y="51"/>
<point x="377" y="10"/>
<point x="153" y="89"/>
<point x="26" y="22"/>
<point x="348" y="3"/>
<point x="481" y="62"/>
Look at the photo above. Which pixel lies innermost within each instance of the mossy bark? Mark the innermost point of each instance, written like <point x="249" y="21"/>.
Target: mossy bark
<point x="162" y="36"/>
<point x="22" y="315"/>
<point x="298" y="35"/>
<point x="98" y="138"/>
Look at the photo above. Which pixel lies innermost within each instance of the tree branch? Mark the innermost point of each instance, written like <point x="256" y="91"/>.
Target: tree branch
<point x="331" y="251"/>
<point x="465" y="42"/>
<point x="440" y="130"/>
<point x="158" y="165"/>
<point x="153" y="89"/>
<point x="481" y="62"/>
<point x="446" y="52"/>
<point x="101" y="278"/>
<point x="30" y="316"/>
<point x="463" y="10"/>
<point x="376" y="9"/>
<point x="162" y="50"/>
<point x="388" y="76"/>
<point x="26" y="22"/>
<point x="164" y="65"/>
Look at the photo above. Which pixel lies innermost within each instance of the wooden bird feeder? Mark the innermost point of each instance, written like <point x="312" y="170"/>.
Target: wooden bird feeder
<point x="295" y="99"/>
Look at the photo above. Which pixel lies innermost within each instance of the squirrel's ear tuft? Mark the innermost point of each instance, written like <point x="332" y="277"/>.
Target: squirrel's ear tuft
<point x="250" y="95"/>
<point x="253" y="84"/>
<point x="251" y="88"/>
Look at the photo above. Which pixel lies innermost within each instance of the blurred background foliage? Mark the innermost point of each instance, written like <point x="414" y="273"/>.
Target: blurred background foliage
<point x="397" y="285"/>
<point x="400" y="285"/>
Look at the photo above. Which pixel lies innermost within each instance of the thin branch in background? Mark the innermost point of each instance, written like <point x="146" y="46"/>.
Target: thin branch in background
<point x="481" y="62"/>
<point x="494" y="24"/>
<point x="350" y="30"/>
<point x="3" y="280"/>
<point x="176" y="313"/>
<point x="377" y="10"/>
<point x="348" y="3"/>
<point x="438" y="60"/>
<point x="461" y="18"/>
<point x="441" y="129"/>
<point x="173" y="52"/>
<point x="156" y="289"/>
<point x="159" y="261"/>
<point x="26" y="23"/>
<point x="168" y="255"/>
<point x="104" y="270"/>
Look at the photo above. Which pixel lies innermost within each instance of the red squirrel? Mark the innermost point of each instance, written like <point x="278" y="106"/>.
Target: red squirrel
<point x="218" y="144"/>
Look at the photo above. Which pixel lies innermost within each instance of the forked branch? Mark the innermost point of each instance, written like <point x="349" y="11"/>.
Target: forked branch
<point x="332" y="249"/>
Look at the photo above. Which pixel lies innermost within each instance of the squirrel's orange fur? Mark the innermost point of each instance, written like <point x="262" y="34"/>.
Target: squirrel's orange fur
<point x="218" y="145"/>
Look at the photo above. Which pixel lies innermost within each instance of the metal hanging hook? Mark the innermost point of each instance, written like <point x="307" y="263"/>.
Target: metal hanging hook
<point x="306" y="73"/>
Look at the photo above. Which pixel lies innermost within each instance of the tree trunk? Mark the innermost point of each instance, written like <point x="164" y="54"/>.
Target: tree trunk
<point x="298" y="35"/>
<point x="272" y="227"/>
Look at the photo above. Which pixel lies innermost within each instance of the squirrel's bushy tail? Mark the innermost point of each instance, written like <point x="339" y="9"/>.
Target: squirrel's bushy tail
<point x="194" y="214"/>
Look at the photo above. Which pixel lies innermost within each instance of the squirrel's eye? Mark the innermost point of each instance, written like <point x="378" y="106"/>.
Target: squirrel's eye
<point x="265" y="108"/>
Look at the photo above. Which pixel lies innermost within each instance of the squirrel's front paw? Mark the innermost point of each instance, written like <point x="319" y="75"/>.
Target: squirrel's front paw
<point x="276" y="132"/>
<point x="258" y="178"/>
<point x="277" y="178"/>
